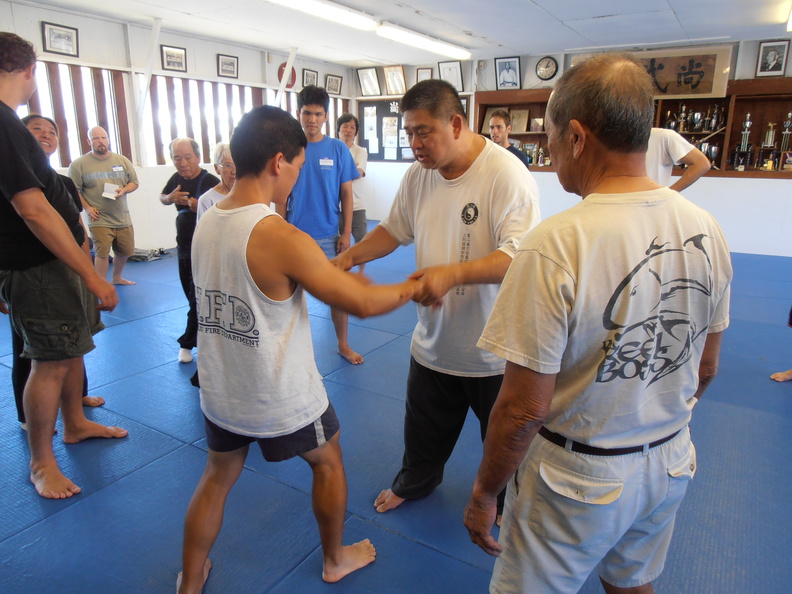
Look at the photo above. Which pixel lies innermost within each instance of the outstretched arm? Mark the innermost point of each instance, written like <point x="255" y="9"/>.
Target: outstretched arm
<point x="376" y="244"/>
<point x="438" y="280"/>
<point x="518" y="413"/>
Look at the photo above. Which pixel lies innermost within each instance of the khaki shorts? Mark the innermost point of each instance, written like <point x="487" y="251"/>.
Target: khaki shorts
<point x="122" y="241"/>
<point x="51" y="310"/>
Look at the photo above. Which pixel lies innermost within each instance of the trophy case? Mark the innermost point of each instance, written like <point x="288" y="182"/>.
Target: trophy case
<point x="701" y="121"/>
<point x="748" y="133"/>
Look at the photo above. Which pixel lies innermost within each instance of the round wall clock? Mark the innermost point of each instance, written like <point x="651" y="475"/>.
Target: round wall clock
<point x="546" y="68"/>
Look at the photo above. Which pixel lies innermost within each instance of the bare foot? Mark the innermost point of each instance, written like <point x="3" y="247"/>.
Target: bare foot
<point x="89" y="430"/>
<point x="51" y="483"/>
<point x="353" y="558"/>
<point x="122" y="281"/>
<point x="207" y="566"/>
<point x="350" y="355"/>
<point x="93" y="401"/>
<point x="782" y="376"/>
<point x="387" y="500"/>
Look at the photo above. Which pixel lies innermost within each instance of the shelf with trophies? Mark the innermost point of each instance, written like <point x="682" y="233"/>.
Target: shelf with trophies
<point x="747" y="133"/>
<point x="701" y="121"/>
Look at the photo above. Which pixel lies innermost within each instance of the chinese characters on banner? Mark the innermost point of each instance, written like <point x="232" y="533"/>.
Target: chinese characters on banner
<point x="682" y="75"/>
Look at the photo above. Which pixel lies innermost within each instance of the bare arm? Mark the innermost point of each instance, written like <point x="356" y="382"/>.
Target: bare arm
<point x="48" y="226"/>
<point x="377" y="244"/>
<point x="127" y="189"/>
<point x="93" y="212"/>
<point x="708" y="366"/>
<point x="345" y="193"/>
<point x="438" y="280"/>
<point x="518" y="414"/>
<point x="279" y="256"/>
<point x="697" y="165"/>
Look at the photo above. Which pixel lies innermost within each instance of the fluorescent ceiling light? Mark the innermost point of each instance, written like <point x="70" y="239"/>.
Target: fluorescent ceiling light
<point x="789" y="22"/>
<point x="421" y="41"/>
<point x="331" y="12"/>
<point x="643" y="44"/>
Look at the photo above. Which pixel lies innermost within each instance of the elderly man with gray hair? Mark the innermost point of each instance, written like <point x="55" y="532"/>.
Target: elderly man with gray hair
<point x="183" y="189"/>
<point x="225" y="168"/>
<point x="610" y="319"/>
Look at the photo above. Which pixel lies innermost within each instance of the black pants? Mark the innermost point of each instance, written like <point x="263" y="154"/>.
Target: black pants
<point x="20" y="371"/>
<point x="189" y="339"/>
<point x="437" y="405"/>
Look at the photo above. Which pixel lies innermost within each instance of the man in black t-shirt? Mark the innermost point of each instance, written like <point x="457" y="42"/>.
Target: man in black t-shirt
<point x="183" y="189"/>
<point x="45" y="278"/>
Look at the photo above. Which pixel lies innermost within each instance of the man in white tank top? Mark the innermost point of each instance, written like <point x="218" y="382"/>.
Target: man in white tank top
<point x="259" y="381"/>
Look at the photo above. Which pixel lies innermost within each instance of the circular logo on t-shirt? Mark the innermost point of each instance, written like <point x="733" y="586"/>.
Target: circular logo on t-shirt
<point x="469" y="213"/>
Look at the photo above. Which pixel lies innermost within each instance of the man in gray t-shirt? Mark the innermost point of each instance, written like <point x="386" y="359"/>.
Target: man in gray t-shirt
<point x="104" y="179"/>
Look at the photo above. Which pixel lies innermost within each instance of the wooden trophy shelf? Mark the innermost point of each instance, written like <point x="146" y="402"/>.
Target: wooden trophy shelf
<point x="767" y="100"/>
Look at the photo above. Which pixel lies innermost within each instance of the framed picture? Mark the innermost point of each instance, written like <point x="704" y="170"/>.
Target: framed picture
<point x="333" y="84"/>
<point x="310" y="77"/>
<point x="174" y="58"/>
<point x="537" y="125"/>
<point x="369" y="83"/>
<point x="772" y="58"/>
<point x="507" y="73"/>
<point x="60" y="39"/>
<point x="227" y="66"/>
<point x="423" y="74"/>
<point x="451" y="72"/>
<point x="394" y="80"/>
<point x="519" y="120"/>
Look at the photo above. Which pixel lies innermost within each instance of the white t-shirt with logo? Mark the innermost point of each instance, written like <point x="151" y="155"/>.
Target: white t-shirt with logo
<point x="488" y="208"/>
<point x="616" y="296"/>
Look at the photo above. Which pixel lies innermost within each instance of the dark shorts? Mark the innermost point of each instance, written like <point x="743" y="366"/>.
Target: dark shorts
<point x="52" y="311"/>
<point x="276" y="449"/>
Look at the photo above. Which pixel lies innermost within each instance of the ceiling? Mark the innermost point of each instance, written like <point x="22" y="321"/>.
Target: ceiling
<point x="487" y="29"/>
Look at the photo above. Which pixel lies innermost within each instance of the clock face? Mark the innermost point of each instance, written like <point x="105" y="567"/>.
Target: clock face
<point x="546" y="68"/>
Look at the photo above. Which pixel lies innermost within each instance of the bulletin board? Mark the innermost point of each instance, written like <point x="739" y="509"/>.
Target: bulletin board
<point x="381" y="132"/>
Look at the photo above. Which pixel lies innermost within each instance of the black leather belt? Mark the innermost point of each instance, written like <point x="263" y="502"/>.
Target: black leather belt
<point x="583" y="448"/>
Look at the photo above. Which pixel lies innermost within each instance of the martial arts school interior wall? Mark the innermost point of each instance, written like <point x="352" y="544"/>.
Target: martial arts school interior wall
<point x="754" y="213"/>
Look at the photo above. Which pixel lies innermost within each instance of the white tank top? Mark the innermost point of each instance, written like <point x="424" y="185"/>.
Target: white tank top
<point x="255" y="356"/>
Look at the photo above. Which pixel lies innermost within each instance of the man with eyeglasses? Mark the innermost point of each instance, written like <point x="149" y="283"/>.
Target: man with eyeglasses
<point x="183" y="189"/>
<point x="104" y="179"/>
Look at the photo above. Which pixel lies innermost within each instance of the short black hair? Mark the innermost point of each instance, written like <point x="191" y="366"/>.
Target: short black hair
<point x="313" y="95"/>
<point x="261" y="134"/>
<point x="437" y="97"/>
<point x="28" y="118"/>
<point x="343" y="119"/>
<point x="16" y="54"/>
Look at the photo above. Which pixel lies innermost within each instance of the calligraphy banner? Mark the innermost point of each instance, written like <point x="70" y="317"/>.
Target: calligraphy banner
<point x="691" y="72"/>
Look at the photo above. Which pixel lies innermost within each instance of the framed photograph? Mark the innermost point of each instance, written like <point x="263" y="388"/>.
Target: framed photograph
<point x="519" y="120"/>
<point x="507" y="73"/>
<point x="310" y="77"/>
<point x="451" y="72"/>
<point x="227" y="66"/>
<point x="333" y="84"/>
<point x="60" y="39"/>
<point x="537" y="125"/>
<point x="394" y="80"/>
<point x="772" y="59"/>
<point x="423" y="74"/>
<point x="369" y="83"/>
<point x="174" y="58"/>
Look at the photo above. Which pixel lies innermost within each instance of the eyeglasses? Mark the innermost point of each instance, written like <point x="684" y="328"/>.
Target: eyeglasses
<point x="228" y="167"/>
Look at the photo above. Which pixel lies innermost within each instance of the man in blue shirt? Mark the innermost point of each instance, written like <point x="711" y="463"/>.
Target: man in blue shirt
<point x="323" y="194"/>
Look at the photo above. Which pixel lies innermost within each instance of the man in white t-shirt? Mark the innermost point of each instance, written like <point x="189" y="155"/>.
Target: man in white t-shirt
<point x="666" y="149"/>
<point x="466" y="204"/>
<point x="610" y="318"/>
